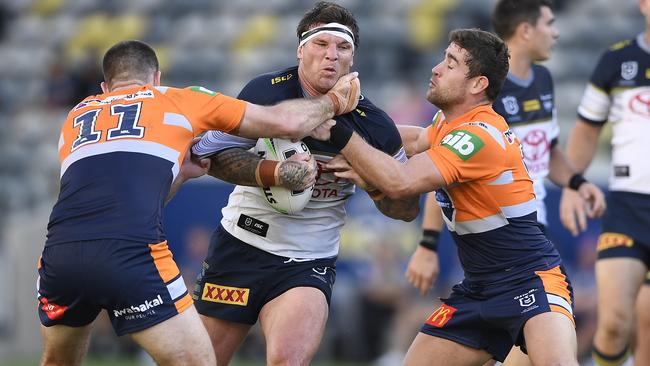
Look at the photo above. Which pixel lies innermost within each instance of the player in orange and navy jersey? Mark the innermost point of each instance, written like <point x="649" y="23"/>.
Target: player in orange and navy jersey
<point x="123" y="153"/>
<point x="515" y="290"/>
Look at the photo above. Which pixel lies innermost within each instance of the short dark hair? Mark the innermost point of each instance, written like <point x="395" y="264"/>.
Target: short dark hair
<point x="488" y="56"/>
<point x="327" y="12"/>
<point x="508" y="14"/>
<point x="130" y="59"/>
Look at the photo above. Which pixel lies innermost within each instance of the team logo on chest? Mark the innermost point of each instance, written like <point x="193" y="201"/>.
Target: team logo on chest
<point x="510" y="104"/>
<point x="629" y="69"/>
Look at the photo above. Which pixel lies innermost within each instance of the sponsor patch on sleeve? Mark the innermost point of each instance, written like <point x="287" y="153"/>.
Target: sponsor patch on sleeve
<point x="463" y="143"/>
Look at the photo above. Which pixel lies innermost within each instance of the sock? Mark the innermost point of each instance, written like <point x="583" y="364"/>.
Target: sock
<point x="601" y="359"/>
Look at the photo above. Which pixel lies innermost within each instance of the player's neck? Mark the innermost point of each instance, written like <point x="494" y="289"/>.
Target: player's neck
<point x="453" y="112"/>
<point x="520" y="64"/>
<point x="127" y="84"/>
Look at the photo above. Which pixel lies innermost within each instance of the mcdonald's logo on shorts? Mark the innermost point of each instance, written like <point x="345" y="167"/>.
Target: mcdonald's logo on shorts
<point x="611" y="240"/>
<point x="225" y="294"/>
<point x="441" y="316"/>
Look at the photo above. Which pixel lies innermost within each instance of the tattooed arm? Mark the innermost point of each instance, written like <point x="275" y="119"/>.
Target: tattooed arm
<point x="238" y="166"/>
<point x="406" y="209"/>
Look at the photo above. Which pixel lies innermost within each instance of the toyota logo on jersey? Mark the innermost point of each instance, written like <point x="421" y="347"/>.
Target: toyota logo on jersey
<point x="640" y="103"/>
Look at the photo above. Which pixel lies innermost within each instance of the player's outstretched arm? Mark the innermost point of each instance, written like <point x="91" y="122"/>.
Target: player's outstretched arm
<point x="414" y="139"/>
<point x="191" y="167"/>
<point x="582" y="144"/>
<point x="297" y="118"/>
<point x="406" y="209"/>
<point x="241" y="167"/>
<point x="423" y="267"/>
<point x="388" y="175"/>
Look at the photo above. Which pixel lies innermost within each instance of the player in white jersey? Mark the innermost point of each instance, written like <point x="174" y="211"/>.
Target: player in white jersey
<point x="526" y="101"/>
<point x="276" y="267"/>
<point x="619" y="92"/>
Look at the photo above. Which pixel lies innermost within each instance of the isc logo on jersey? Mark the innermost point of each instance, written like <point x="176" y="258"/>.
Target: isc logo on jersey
<point x="462" y="143"/>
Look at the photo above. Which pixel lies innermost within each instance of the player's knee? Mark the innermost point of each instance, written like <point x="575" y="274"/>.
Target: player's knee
<point x="616" y="325"/>
<point x="286" y="356"/>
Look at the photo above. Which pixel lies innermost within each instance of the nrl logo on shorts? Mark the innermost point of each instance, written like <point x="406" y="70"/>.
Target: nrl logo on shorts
<point x="527" y="299"/>
<point x="629" y="70"/>
<point x="510" y="104"/>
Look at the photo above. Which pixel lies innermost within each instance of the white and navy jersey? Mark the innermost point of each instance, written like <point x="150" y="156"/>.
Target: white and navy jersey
<point x="619" y="92"/>
<point x="528" y="106"/>
<point x="313" y="232"/>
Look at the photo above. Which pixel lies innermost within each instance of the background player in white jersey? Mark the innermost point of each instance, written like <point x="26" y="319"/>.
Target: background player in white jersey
<point x="619" y="92"/>
<point x="527" y="103"/>
<point x="282" y="267"/>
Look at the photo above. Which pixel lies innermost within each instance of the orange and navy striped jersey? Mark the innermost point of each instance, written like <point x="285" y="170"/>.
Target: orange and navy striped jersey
<point x="488" y="203"/>
<point x="121" y="151"/>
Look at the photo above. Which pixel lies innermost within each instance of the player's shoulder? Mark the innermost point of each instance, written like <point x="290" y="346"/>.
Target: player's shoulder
<point x="485" y="127"/>
<point x="368" y="110"/>
<point x="623" y="49"/>
<point x="272" y="87"/>
<point x="275" y="80"/>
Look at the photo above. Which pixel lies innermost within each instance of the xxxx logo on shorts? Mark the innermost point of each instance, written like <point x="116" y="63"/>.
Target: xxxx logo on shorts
<point x="225" y="294"/>
<point x="611" y="240"/>
<point x="441" y="316"/>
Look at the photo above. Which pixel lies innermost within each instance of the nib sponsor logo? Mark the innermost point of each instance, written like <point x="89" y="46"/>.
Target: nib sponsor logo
<point x="142" y="308"/>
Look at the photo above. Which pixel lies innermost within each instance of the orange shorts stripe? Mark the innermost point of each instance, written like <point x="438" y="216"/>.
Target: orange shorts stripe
<point x="561" y="310"/>
<point x="164" y="261"/>
<point x="183" y="303"/>
<point x="555" y="283"/>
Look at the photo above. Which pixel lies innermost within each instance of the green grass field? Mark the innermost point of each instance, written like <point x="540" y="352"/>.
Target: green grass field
<point x="131" y="362"/>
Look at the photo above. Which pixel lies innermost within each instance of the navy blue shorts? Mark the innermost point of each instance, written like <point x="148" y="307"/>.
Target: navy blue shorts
<point x="626" y="227"/>
<point x="493" y="317"/>
<point x="237" y="279"/>
<point x="138" y="284"/>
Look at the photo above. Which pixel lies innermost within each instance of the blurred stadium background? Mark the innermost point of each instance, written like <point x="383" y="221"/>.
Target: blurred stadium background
<point x="49" y="60"/>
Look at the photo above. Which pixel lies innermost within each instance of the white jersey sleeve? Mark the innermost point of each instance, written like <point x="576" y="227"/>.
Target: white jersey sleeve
<point x="213" y="142"/>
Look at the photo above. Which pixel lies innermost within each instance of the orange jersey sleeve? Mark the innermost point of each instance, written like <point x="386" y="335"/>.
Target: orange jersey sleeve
<point x="208" y="110"/>
<point x="469" y="152"/>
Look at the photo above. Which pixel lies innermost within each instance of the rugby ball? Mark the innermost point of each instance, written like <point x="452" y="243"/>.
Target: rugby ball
<point x="282" y="199"/>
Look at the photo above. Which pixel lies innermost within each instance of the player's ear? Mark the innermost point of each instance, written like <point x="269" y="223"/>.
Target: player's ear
<point x="524" y="30"/>
<point x="104" y="87"/>
<point x="299" y="53"/>
<point x="479" y="84"/>
<point x="156" y="78"/>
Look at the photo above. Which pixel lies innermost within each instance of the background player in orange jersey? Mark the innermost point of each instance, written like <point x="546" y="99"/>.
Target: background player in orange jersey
<point x="120" y="151"/>
<point x="515" y="290"/>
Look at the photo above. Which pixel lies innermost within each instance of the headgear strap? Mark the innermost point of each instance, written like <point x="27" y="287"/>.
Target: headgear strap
<point x="335" y="29"/>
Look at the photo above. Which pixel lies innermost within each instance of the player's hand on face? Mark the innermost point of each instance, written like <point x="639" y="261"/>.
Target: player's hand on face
<point x="342" y="169"/>
<point x="192" y="166"/>
<point x="322" y="132"/>
<point x="423" y="268"/>
<point x="595" y="199"/>
<point x="345" y="93"/>
<point x="298" y="172"/>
